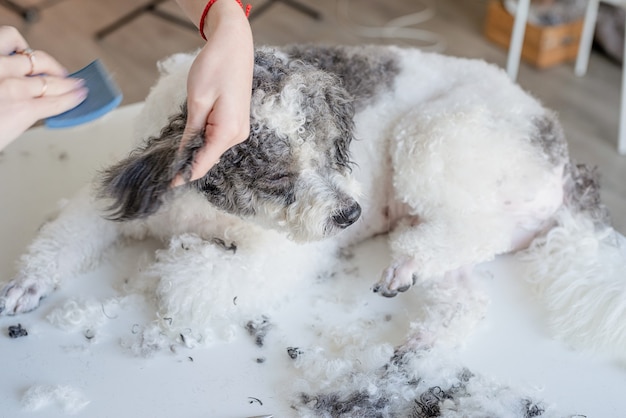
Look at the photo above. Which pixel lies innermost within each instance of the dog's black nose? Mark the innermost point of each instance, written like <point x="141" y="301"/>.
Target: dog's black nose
<point x="347" y="216"/>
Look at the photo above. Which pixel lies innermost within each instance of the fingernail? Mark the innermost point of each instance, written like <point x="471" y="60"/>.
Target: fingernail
<point x="82" y="93"/>
<point x="178" y="181"/>
<point x="78" y="82"/>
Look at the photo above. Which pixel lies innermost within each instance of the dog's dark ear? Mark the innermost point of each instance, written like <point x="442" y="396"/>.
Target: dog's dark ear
<point x="342" y="107"/>
<point x="138" y="184"/>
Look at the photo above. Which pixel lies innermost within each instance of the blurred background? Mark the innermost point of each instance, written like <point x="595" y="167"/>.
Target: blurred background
<point x="588" y="106"/>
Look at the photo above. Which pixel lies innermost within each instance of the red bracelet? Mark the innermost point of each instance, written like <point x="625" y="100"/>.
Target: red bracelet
<point x="206" y="11"/>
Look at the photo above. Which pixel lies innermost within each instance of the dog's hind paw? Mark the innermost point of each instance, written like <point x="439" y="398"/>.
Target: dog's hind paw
<point x="399" y="277"/>
<point x="19" y="296"/>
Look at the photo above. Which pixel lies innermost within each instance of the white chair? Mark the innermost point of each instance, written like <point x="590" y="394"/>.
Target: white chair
<point x="582" y="59"/>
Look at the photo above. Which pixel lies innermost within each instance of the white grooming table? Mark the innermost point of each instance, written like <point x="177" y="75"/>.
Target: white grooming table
<point x="511" y="344"/>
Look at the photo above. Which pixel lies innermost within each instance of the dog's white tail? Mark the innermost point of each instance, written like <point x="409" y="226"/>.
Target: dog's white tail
<point x="578" y="269"/>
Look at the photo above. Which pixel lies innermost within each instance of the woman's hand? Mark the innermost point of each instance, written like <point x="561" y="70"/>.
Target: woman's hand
<point x="33" y="86"/>
<point x="219" y="85"/>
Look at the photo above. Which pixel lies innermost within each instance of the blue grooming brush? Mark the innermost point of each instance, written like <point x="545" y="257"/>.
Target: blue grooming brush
<point x="104" y="95"/>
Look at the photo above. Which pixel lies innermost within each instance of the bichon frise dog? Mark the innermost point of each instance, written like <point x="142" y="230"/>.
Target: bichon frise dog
<point x="445" y="155"/>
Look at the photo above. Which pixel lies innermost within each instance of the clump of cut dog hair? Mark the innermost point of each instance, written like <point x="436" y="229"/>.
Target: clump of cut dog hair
<point x="16" y="331"/>
<point x="83" y="315"/>
<point x="419" y="383"/>
<point x="258" y="329"/>
<point x="70" y="399"/>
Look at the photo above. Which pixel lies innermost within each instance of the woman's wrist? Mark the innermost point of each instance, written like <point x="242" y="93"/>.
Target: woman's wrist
<point x="222" y="12"/>
<point x="194" y="10"/>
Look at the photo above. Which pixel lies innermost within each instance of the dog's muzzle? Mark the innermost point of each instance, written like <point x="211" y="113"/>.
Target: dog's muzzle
<point x="347" y="215"/>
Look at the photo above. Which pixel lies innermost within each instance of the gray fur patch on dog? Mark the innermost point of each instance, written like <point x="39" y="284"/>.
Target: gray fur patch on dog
<point x="365" y="71"/>
<point x="259" y="169"/>
<point x="550" y="139"/>
<point x="582" y="192"/>
<point x="582" y="183"/>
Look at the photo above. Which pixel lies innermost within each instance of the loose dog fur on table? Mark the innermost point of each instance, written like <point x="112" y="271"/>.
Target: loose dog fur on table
<point x="446" y="155"/>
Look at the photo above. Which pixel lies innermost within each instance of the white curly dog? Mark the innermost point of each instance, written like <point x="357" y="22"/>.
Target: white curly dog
<point x="446" y="155"/>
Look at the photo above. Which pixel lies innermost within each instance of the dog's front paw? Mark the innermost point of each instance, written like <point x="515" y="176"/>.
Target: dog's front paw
<point x="399" y="277"/>
<point x="22" y="295"/>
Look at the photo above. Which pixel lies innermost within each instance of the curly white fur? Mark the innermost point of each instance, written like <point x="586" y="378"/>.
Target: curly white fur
<point x="207" y="293"/>
<point x="578" y="270"/>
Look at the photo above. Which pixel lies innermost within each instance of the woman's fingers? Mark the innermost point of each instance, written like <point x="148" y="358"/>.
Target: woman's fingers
<point x="28" y="63"/>
<point x="29" y="111"/>
<point x="196" y="124"/>
<point x="207" y="156"/>
<point x="33" y="86"/>
<point x="11" y="40"/>
<point x="29" y="99"/>
<point x="221" y="129"/>
<point x="18" y="115"/>
<point x="40" y="86"/>
<point x="47" y="106"/>
<point x="18" y="59"/>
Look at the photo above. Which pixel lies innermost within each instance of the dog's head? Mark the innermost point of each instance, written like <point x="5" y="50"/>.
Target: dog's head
<point x="292" y="173"/>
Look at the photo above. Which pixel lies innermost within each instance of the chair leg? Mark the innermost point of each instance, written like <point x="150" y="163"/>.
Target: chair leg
<point x="586" y="38"/>
<point x="517" y="38"/>
<point x="621" y="141"/>
<point x="150" y="7"/>
<point x="29" y="14"/>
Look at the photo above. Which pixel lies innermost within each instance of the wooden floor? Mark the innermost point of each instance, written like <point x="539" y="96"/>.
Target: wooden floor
<point x="588" y="106"/>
